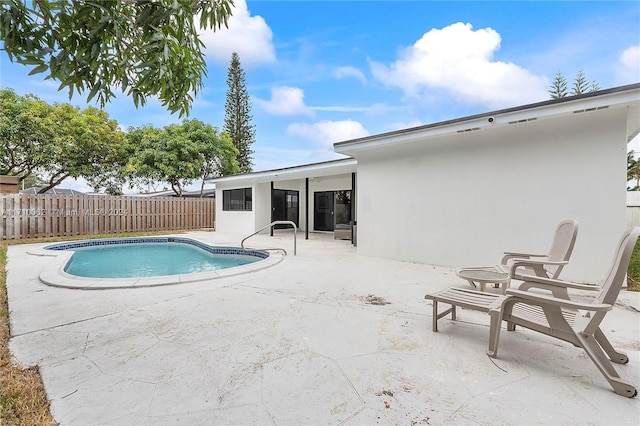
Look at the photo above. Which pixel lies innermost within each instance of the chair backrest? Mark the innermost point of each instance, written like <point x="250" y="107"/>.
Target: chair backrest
<point x="618" y="271"/>
<point x="562" y="246"/>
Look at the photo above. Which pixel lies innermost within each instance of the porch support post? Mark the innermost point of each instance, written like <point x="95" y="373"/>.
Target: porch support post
<point x="353" y="203"/>
<point x="306" y="208"/>
<point x="271" y="208"/>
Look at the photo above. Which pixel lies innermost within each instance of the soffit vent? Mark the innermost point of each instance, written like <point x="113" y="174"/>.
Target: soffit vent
<point x="525" y="120"/>
<point x="472" y="129"/>
<point x="590" y="109"/>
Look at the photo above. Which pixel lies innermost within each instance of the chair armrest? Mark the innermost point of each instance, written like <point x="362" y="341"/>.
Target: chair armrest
<point x="531" y="279"/>
<point x="537" y="265"/>
<point x="538" y="298"/>
<point x="519" y="255"/>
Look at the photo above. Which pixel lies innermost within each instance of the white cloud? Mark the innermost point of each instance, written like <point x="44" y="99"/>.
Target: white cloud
<point x="269" y="158"/>
<point x="629" y="65"/>
<point x="326" y="133"/>
<point x="349" y="72"/>
<point x="460" y="61"/>
<point x="249" y="36"/>
<point x="285" y="101"/>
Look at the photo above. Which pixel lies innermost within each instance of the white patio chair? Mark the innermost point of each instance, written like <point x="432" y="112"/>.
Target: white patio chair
<point x="569" y="320"/>
<point x="514" y="264"/>
<point x="544" y="265"/>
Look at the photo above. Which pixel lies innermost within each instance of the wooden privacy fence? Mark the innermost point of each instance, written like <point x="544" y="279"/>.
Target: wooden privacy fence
<point x="40" y="216"/>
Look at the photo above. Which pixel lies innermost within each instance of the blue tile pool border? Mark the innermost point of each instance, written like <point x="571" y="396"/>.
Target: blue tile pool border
<point x="140" y="240"/>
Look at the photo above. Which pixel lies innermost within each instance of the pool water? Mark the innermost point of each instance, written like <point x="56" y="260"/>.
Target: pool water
<point x="148" y="260"/>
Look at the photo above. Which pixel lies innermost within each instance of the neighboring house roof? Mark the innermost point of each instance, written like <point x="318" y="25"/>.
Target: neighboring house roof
<point x="325" y="168"/>
<point x="623" y="96"/>
<point x="54" y="191"/>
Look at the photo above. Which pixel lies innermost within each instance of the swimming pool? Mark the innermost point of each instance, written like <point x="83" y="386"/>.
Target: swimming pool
<point x="145" y="261"/>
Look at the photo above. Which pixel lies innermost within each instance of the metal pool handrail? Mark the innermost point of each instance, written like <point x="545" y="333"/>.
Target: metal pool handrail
<point x="277" y="222"/>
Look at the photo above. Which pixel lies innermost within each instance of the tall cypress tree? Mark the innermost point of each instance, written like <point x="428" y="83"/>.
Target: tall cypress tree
<point x="237" y="120"/>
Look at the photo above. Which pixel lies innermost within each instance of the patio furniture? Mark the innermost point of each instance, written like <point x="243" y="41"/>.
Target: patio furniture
<point x="570" y="320"/>
<point x="342" y="232"/>
<point x="482" y="276"/>
<point x="544" y="265"/>
<point x="470" y="299"/>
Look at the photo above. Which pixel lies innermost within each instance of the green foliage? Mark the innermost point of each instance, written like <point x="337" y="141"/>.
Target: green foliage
<point x="558" y="87"/>
<point x="237" y="119"/>
<point x="580" y="84"/>
<point x="32" y="181"/>
<point x="633" y="272"/>
<point x="633" y="171"/>
<point x="87" y="144"/>
<point x="219" y="155"/>
<point x="26" y="134"/>
<point x="56" y="141"/>
<point x="178" y="154"/>
<point x="143" y="47"/>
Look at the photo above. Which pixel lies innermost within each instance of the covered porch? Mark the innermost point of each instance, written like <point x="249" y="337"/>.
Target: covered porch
<point x="317" y="197"/>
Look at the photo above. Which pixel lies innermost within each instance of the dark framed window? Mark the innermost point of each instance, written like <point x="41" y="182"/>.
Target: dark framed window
<point x="237" y="199"/>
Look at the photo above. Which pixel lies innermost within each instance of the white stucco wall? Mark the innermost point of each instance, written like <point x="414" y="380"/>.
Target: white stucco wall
<point x="234" y="222"/>
<point x="262" y="205"/>
<point x="465" y="198"/>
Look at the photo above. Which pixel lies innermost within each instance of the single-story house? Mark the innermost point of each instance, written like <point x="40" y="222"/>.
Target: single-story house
<point x="460" y="192"/>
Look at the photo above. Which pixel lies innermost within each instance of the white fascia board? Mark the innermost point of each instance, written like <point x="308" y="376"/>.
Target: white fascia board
<point x="328" y="168"/>
<point x="492" y="120"/>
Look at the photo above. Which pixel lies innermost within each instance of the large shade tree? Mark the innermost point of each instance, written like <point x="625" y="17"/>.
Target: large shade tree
<point x="178" y="154"/>
<point x="54" y="142"/>
<point x="219" y="155"/>
<point x="26" y="138"/>
<point x="86" y="144"/>
<point x="146" y="48"/>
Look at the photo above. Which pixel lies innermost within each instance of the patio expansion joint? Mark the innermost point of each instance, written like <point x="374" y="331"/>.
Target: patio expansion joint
<point x="57" y="326"/>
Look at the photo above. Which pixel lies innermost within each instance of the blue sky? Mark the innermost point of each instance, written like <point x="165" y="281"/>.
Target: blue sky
<point x="319" y="72"/>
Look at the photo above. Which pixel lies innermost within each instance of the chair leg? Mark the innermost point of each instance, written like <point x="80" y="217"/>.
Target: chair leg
<point x="494" y="332"/>
<point x="437" y="316"/>
<point x="600" y="359"/>
<point x="614" y="356"/>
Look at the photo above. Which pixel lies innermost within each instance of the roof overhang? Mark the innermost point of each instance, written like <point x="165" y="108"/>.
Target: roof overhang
<point x="326" y="168"/>
<point x="620" y="97"/>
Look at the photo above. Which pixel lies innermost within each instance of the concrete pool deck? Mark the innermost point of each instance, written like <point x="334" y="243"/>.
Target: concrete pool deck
<point x="324" y="337"/>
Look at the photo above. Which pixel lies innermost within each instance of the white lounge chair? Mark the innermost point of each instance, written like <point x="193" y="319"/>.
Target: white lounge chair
<point x="514" y="264"/>
<point x="545" y="265"/>
<point x="576" y="322"/>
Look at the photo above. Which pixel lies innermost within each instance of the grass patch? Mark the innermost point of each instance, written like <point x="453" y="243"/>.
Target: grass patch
<point x="22" y="397"/>
<point x="23" y="401"/>
<point x="633" y="273"/>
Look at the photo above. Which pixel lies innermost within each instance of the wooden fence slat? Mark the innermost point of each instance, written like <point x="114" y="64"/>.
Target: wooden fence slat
<point x="24" y="216"/>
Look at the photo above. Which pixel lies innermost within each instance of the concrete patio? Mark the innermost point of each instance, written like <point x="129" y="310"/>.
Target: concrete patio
<point x="324" y="337"/>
